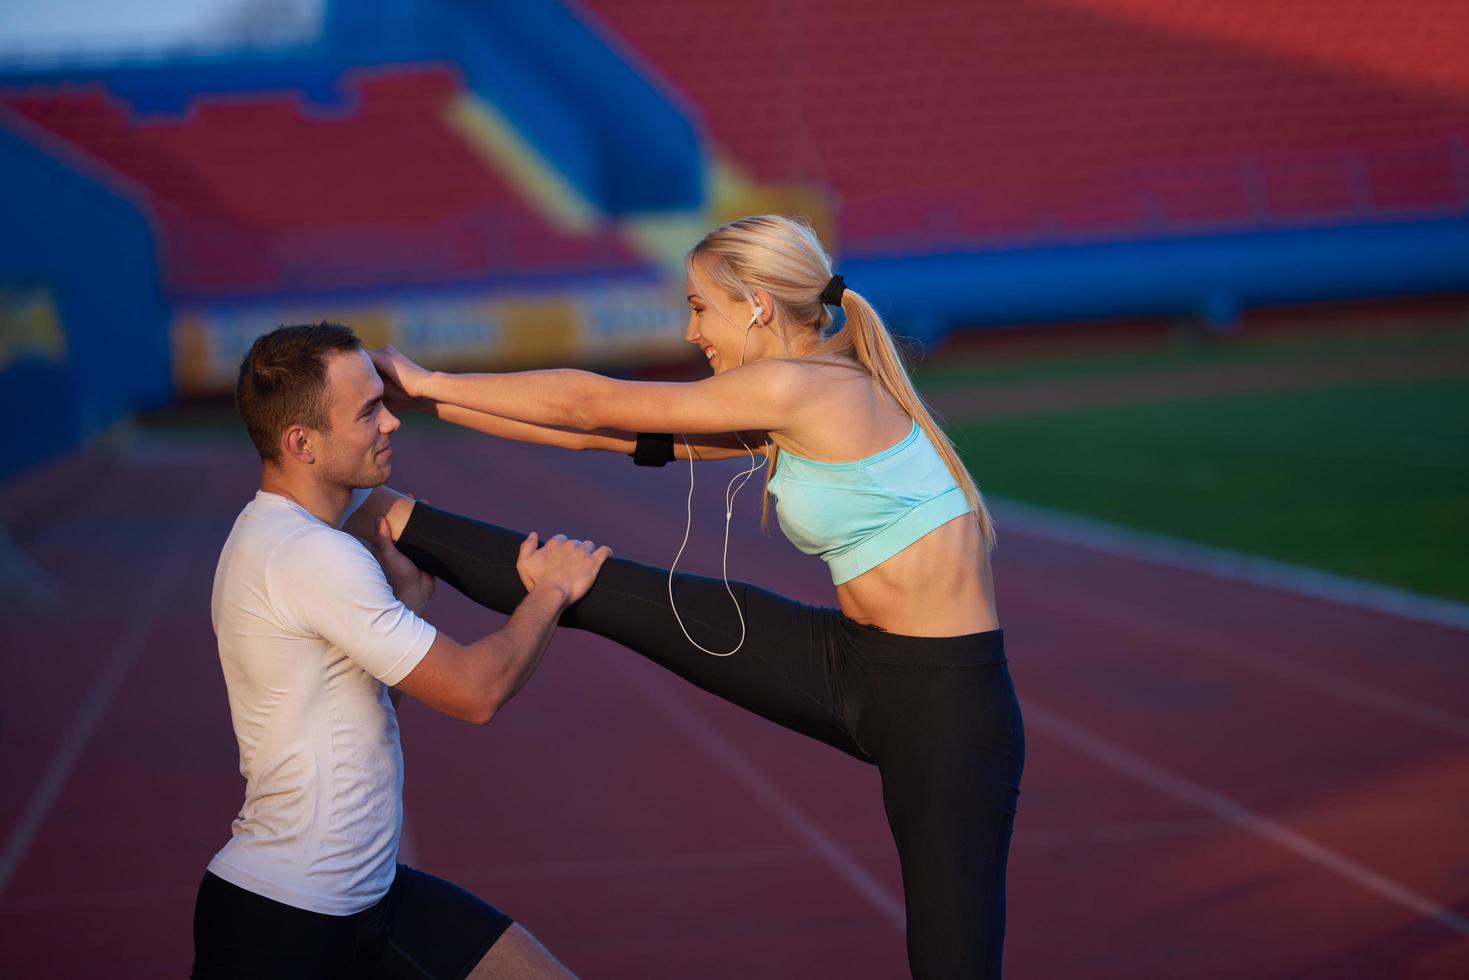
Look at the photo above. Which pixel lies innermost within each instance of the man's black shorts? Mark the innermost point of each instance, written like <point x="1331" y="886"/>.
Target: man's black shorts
<point x="423" y="927"/>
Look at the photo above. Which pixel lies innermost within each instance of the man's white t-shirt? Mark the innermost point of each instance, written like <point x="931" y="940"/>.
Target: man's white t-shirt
<point x="310" y="634"/>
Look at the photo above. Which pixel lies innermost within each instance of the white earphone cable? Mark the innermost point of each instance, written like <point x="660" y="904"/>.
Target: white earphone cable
<point x="730" y="492"/>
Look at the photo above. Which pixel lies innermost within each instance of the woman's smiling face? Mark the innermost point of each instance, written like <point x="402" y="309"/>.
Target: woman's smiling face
<point x="717" y="323"/>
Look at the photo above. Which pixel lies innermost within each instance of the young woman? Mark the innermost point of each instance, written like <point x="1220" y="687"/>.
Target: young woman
<point x="909" y="672"/>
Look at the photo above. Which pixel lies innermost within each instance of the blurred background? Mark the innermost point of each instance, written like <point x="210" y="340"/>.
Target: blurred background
<point x="1188" y="283"/>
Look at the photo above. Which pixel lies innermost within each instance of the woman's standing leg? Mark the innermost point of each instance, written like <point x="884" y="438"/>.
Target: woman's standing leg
<point x="951" y="748"/>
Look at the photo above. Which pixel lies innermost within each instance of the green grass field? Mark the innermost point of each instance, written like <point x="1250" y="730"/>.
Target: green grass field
<point x="1068" y="360"/>
<point x="1370" y="481"/>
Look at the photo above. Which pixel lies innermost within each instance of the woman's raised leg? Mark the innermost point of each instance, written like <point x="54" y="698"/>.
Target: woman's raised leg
<point x="784" y="671"/>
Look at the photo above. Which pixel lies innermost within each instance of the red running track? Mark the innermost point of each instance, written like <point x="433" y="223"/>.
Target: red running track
<point x="1223" y="781"/>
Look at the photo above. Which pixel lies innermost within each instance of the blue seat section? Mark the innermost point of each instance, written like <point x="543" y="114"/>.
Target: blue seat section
<point x="88" y="253"/>
<point x="1213" y="277"/>
<point x="646" y="154"/>
<point x="165" y="88"/>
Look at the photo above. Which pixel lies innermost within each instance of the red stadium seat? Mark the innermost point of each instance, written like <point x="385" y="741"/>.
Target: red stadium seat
<point x="956" y="122"/>
<point x="256" y="192"/>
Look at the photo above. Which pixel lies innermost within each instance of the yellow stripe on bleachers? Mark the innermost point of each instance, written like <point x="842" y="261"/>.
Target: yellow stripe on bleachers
<point x="494" y="138"/>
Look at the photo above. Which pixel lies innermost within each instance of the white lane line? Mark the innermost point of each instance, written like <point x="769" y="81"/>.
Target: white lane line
<point x="734" y="761"/>
<point x="109" y="679"/>
<point x="1190" y="639"/>
<point x="1096" y="747"/>
<point x="22" y="580"/>
<point x="1160" y="549"/>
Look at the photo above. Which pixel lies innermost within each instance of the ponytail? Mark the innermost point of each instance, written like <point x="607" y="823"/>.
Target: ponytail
<point x="866" y="337"/>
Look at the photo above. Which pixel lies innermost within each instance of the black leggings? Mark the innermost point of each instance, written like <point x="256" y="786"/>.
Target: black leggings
<point x="937" y="715"/>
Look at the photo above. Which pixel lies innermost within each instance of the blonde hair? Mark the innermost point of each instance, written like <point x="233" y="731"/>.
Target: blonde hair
<point x="784" y="257"/>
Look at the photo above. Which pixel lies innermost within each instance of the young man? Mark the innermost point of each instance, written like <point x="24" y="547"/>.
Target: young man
<point x="313" y="632"/>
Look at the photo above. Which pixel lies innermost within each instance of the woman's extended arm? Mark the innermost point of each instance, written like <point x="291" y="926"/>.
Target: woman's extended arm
<point x="763" y="396"/>
<point x="708" y="446"/>
<point x="702" y="448"/>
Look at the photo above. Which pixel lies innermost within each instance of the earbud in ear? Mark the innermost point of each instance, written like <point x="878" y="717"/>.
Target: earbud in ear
<point x="756" y="313"/>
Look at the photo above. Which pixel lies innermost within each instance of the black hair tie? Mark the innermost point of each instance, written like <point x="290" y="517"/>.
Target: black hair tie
<point x="832" y="294"/>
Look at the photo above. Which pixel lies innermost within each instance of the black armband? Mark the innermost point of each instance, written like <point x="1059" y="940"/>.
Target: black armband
<point x="654" y="449"/>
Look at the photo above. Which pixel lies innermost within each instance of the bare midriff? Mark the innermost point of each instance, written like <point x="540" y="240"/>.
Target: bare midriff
<point x="940" y="585"/>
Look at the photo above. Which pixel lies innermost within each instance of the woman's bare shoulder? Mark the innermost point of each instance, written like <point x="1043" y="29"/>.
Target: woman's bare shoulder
<point x="814" y="368"/>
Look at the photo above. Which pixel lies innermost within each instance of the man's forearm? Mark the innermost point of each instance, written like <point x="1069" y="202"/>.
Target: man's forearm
<point x="518" y="646"/>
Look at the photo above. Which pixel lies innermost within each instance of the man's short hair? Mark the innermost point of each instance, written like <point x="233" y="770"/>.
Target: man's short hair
<point x="283" y="381"/>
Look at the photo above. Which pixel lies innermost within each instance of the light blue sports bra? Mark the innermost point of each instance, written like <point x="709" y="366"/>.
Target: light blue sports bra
<point x="858" y="515"/>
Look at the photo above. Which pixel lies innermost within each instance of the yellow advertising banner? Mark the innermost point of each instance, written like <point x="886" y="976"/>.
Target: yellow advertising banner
<point x="621" y="324"/>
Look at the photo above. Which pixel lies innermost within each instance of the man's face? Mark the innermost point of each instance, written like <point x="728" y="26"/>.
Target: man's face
<point x="355" y="453"/>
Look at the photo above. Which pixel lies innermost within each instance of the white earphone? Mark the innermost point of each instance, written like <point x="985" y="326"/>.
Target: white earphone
<point x="731" y="490"/>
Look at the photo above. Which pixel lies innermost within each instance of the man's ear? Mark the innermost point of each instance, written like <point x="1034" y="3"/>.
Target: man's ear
<point x="297" y="443"/>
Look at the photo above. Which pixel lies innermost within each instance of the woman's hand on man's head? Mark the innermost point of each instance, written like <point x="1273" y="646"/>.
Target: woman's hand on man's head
<point x="399" y="371"/>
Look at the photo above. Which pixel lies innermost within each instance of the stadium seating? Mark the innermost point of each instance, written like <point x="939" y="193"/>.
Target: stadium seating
<point x="950" y="124"/>
<point x="518" y="180"/>
<point x="261" y="192"/>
